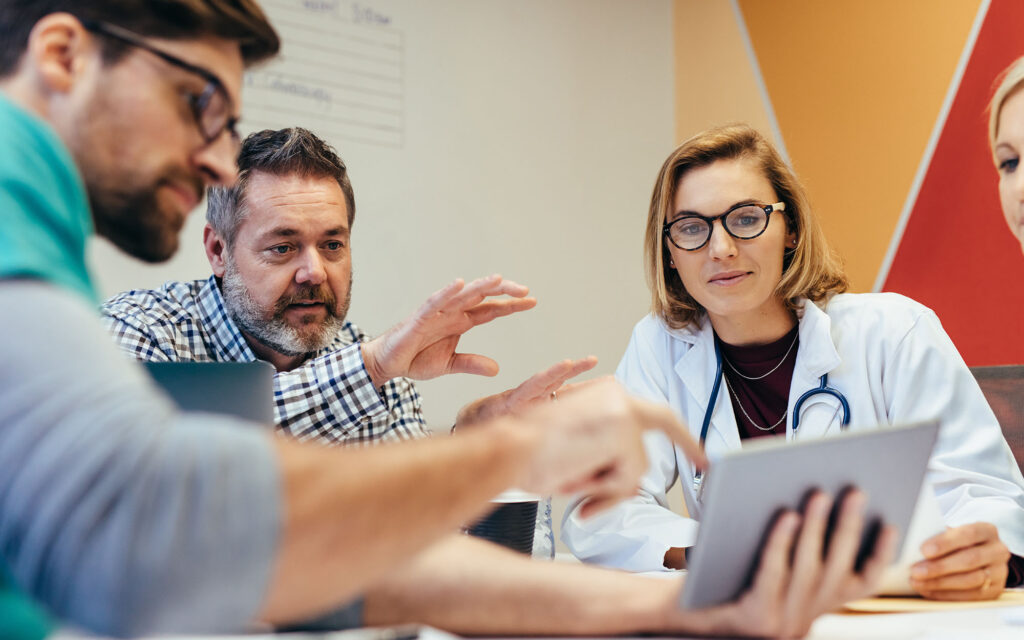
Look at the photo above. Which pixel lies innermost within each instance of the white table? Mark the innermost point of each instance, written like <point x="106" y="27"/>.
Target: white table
<point x="986" y="623"/>
<point x="996" y="623"/>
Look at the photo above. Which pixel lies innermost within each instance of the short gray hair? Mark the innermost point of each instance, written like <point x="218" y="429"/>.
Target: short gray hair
<point x="285" y="152"/>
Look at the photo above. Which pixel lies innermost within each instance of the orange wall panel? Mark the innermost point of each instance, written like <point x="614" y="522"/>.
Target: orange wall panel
<point x="856" y="87"/>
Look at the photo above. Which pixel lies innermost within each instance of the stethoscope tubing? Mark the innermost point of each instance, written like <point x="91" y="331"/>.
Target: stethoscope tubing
<point x="823" y="387"/>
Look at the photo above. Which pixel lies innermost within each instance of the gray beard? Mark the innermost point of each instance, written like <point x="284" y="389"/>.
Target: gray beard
<point x="270" y="328"/>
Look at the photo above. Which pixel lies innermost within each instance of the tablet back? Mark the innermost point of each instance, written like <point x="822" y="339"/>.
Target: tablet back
<point x="241" y="389"/>
<point x="746" y="490"/>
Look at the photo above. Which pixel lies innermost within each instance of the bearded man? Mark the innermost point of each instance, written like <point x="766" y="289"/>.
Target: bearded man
<point x="279" y="244"/>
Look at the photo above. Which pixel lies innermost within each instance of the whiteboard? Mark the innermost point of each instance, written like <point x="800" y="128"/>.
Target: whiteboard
<point x="519" y="137"/>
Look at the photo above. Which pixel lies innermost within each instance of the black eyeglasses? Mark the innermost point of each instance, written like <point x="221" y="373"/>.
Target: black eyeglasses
<point x="744" y="222"/>
<point x="211" y="108"/>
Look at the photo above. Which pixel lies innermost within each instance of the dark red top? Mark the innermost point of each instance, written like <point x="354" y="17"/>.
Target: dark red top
<point x="764" y="400"/>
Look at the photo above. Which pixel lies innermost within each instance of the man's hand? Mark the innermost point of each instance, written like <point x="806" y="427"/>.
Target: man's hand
<point x="423" y="346"/>
<point x="962" y="563"/>
<point x="796" y="581"/>
<point x="590" y="442"/>
<point x="537" y="388"/>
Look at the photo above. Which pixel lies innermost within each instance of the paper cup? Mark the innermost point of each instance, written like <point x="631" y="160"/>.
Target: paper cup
<point x="512" y="522"/>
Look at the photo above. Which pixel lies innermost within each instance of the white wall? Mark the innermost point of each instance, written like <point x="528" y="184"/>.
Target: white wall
<point x="528" y="138"/>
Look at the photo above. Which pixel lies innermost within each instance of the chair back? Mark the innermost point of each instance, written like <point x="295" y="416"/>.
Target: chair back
<point x="1004" y="389"/>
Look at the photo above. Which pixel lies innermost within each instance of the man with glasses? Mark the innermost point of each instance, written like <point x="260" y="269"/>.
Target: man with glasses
<point x="124" y="516"/>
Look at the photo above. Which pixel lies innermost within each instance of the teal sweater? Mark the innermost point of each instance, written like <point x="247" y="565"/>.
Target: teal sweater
<point x="45" y="213"/>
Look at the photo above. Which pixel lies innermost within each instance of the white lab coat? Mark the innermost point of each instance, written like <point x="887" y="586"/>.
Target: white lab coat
<point x="891" y="359"/>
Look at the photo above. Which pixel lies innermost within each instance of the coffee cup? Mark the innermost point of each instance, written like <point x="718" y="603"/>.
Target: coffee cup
<point x="511" y="523"/>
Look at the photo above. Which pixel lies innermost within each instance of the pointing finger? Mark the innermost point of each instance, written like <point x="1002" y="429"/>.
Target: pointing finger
<point x="659" y="417"/>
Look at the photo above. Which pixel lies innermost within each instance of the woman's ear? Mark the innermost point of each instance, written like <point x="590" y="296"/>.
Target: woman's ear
<point x="790" y="250"/>
<point x="791" y="232"/>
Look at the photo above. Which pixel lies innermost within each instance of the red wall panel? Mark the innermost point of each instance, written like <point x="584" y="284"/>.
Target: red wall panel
<point x="956" y="254"/>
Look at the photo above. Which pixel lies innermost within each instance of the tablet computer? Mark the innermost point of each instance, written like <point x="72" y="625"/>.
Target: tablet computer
<point x="241" y="389"/>
<point x="745" y="490"/>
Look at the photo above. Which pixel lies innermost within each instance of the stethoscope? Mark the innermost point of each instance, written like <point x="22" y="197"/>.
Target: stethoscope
<point x="698" y="476"/>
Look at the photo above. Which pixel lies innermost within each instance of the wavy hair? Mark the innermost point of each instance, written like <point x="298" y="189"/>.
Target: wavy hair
<point x="811" y="270"/>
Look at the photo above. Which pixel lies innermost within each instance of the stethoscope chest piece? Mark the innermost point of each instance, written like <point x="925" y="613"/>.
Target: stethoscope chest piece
<point x="822" y="388"/>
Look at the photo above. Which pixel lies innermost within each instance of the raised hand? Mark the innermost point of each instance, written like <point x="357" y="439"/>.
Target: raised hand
<point x="537" y="388"/>
<point x="424" y="346"/>
<point x="962" y="563"/>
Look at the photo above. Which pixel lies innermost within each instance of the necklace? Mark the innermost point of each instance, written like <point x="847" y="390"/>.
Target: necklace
<point x="761" y="377"/>
<point x="747" y="415"/>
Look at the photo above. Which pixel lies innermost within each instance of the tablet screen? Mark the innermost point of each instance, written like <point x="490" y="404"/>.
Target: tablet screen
<point x="747" y="489"/>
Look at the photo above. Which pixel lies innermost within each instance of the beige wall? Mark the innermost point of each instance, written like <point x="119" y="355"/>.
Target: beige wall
<point x="532" y="134"/>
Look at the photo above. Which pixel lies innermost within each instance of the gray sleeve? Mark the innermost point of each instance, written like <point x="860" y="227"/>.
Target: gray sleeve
<point x="118" y="513"/>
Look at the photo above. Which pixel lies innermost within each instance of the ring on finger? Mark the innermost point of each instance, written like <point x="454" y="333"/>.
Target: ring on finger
<point x="988" y="580"/>
<point x="554" y="396"/>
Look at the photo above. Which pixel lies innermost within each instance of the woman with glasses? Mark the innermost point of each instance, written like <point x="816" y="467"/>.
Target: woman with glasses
<point x="751" y="335"/>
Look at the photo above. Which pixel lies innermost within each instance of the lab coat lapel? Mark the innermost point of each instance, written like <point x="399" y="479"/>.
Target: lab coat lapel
<point x="697" y="371"/>
<point x="816" y="356"/>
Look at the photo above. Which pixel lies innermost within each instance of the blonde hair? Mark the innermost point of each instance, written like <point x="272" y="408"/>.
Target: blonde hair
<point x="811" y="270"/>
<point x="1010" y="80"/>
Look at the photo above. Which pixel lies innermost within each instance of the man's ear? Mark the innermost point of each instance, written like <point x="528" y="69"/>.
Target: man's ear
<point x="216" y="250"/>
<point x="59" y="50"/>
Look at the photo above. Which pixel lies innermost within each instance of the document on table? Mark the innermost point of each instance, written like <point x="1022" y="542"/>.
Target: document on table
<point x="925" y="523"/>
<point x="1009" y="598"/>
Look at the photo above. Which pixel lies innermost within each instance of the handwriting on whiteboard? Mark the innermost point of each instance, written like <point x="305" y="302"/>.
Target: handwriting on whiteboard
<point x="339" y="73"/>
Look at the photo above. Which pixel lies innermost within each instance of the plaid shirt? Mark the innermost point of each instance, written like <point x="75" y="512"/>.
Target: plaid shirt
<point x="330" y="398"/>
